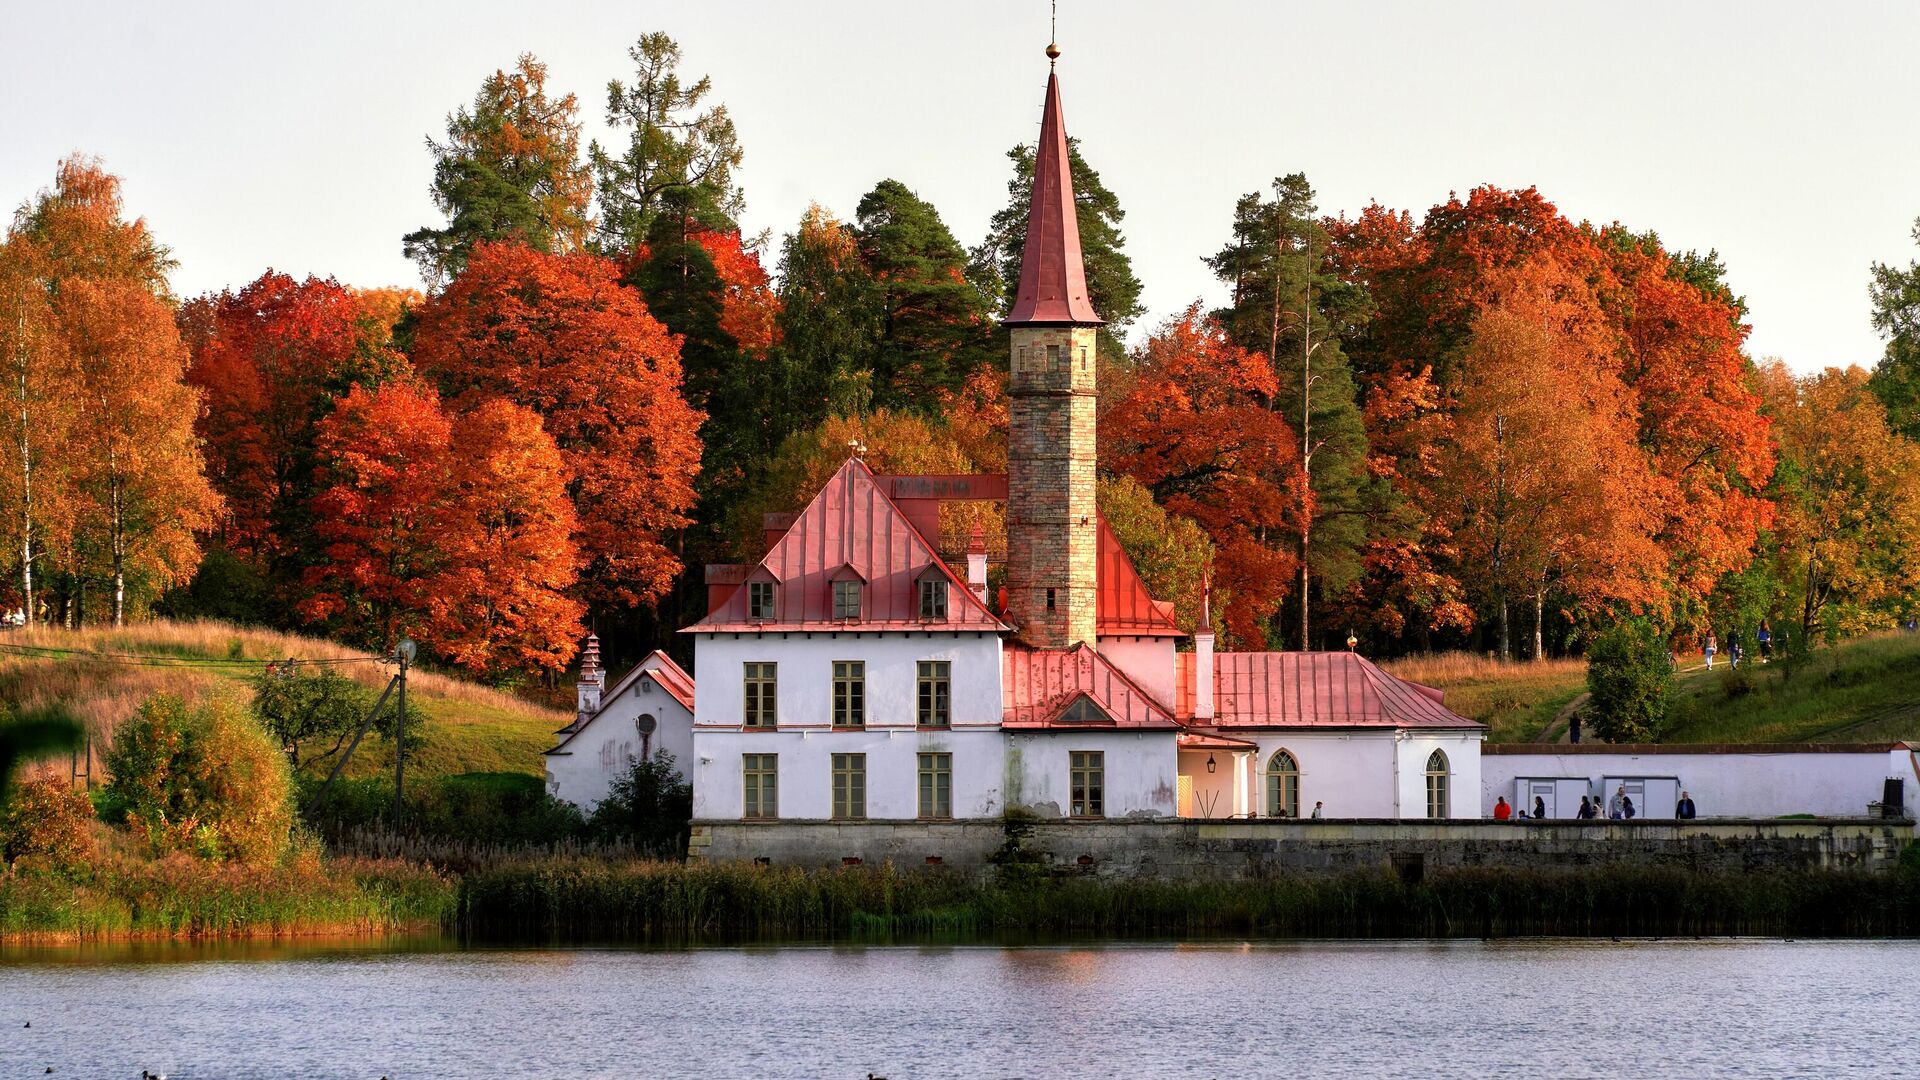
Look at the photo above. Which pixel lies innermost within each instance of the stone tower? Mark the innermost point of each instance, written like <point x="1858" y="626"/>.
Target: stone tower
<point x="1053" y="527"/>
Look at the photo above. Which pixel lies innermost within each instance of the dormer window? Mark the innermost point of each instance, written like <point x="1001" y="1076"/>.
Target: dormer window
<point x="760" y="600"/>
<point x="933" y="600"/>
<point x="846" y="600"/>
<point x="1084" y="711"/>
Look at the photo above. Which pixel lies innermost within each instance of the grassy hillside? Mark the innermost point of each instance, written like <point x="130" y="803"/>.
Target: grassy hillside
<point x="1865" y="690"/>
<point x="1517" y="701"/>
<point x="104" y="674"/>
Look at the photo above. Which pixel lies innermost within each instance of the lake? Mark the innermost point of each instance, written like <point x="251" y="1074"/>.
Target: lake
<point x="1361" y="1009"/>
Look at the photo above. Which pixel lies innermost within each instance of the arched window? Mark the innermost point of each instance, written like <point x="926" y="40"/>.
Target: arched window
<point x="1283" y="785"/>
<point x="1437" y="785"/>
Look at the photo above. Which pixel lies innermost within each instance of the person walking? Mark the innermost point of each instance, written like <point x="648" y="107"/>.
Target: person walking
<point x="1317" y="807"/>
<point x="1586" y="811"/>
<point x="1539" y="807"/>
<point x="1712" y="646"/>
<point x="1614" y="805"/>
<point x="1626" y="806"/>
<point x="1501" y="810"/>
<point x="1765" y="637"/>
<point x="1684" y="808"/>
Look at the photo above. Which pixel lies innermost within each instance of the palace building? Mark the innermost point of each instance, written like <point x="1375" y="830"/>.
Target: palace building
<point x="856" y="674"/>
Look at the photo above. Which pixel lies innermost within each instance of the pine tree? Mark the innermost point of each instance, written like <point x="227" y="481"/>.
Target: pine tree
<point x="934" y="323"/>
<point x="680" y="152"/>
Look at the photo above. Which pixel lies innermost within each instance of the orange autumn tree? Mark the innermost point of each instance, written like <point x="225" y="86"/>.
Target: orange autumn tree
<point x="1539" y="483"/>
<point x="749" y="306"/>
<point x="1197" y="430"/>
<point x="559" y="335"/>
<point x="504" y="528"/>
<point x="383" y="462"/>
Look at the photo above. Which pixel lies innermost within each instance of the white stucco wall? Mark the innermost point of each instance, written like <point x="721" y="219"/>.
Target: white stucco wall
<point x="1142" y="777"/>
<point x="1147" y="661"/>
<point x="1725" y="785"/>
<point x="806" y="771"/>
<point x="806" y="675"/>
<point x="583" y="769"/>
<point x="1463" y="755"/>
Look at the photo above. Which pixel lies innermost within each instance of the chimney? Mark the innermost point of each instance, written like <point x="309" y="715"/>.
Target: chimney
<point x="977" y="564"/>
<point x="592" y="679"/>
<point x="1203" y="656"/>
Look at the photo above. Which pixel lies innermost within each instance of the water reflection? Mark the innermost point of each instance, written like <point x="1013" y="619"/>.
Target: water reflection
<point x="403" y="1009"/>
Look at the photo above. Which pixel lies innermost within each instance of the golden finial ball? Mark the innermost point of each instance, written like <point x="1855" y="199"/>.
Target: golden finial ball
<point x="1053" y="51"/>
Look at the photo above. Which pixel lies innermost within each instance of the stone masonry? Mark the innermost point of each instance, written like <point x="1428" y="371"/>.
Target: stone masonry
<point x="1052" y="521"/>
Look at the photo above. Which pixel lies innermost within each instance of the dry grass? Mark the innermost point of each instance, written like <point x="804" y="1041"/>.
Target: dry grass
<point x="1516" y="700"/>
<point x="96" y="673"/>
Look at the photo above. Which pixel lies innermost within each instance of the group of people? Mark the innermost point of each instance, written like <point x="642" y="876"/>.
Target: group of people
<point x="1619" y="808"/>
<point x="1764" y="637"/>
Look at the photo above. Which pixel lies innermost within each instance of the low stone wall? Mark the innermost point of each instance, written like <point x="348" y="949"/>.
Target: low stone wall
<point x="1262" y="847"/>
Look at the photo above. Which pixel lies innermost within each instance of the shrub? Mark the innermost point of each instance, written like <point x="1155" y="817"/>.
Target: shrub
<point x="489" y="808"/>
<point x="651" y="805"/>
<point x="1629" y="676"/>
<point x="204" y="779"/>
<point x="47" y="820"/>
<point x="298" y="707"/>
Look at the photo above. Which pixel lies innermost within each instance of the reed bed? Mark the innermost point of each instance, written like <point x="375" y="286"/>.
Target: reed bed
<point x="183" y="897"/>
<point x="579" y="900"/>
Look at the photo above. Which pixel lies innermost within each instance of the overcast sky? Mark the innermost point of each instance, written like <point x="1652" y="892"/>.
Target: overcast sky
<point x="1784" y="135"/>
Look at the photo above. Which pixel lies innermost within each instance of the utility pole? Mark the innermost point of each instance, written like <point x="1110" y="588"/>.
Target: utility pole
<point x="404" y="654"/>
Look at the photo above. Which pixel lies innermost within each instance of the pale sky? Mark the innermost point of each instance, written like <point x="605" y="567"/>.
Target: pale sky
<point x="266" y="134"/>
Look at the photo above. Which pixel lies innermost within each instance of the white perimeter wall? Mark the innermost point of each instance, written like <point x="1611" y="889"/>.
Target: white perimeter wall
<point x="1724" y="785"/>
<point x="585" y="768"/>
<point x="1142" y="771"/>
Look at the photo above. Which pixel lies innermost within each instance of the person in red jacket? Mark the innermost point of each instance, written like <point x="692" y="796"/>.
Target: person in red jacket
<point x="1501" y="811"/>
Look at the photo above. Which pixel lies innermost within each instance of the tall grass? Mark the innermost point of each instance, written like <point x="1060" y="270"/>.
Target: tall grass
<point x="1517" y="700"/>
<point x="571" y="899"/>
<point x="181" y="896"/>
<point x="1858" y="691"/>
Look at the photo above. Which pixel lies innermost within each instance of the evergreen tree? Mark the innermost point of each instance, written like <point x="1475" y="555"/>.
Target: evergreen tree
<point x="509" y="170"/>
<point x="1111" y="284"/>
<point x="1286" y="305"/>
<point x="934" y="322"/>
<point x="679" y="154"/>
<point x="1896" y="315"/>
<point x="829" y="320"/>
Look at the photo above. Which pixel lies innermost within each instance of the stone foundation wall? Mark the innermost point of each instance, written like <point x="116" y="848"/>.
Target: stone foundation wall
<point x="1258" y="848"/>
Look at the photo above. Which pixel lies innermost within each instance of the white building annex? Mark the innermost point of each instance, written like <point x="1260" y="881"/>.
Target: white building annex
<point x="853" y="674"/>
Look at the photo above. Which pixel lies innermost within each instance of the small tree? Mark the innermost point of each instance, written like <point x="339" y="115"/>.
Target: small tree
<point x="299" y="708"/>
<point x="203" y="778"/>
<point x="650" y="804"/>
<point x="47" y="820"/>
<point x="1629" y="675"/>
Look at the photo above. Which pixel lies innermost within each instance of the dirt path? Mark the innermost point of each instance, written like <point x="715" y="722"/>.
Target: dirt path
<point x="1562" y="721"/>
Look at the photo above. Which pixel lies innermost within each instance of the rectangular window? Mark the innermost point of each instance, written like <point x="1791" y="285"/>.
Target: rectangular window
<point x="936" y="693"/>
<point x="933" y="600"/>
<point x="936" y="785"/>
<point x="850" y="786"/>
<point x="1088" y="789"/>
<point x="1049" y="599"/>
<point x="759" y="775"/>
<point x="846" y="599"/>
<point x="760" y="693"/>
<point x="759" y="599"/>
<point x="849" y="693"/>
<point x="1054" y="359"/>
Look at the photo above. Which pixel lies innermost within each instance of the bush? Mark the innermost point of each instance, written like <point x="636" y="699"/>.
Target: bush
<point x="47" y="820"/>
<point x="1629" y="675"/>
<point x="298" y="707"/>
<point x="650" y="805"/>
<point x="488" y="808"/>
<point x="205" y="779"/>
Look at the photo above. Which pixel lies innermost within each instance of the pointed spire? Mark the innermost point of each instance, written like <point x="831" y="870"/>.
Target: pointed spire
<point x="1053" y="278"/>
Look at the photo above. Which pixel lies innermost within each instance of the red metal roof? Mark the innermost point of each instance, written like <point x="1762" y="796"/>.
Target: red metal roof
<point x="1315" y="689"/>
<point x="670" y="677"/>
<point x="850" y="525"/>
<point x="1041" y="684"/>
<point x="1122" y="606"/>
<point x="1053" y="280"/>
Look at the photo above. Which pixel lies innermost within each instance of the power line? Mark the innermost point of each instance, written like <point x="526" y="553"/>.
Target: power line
<point x="163" y="660"/>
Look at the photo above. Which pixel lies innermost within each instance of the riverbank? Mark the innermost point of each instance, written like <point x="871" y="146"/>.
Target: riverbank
<point x="577" y="899"/>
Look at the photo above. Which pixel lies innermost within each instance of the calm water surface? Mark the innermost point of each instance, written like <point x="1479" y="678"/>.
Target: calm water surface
<point x="1536" y="1009"/>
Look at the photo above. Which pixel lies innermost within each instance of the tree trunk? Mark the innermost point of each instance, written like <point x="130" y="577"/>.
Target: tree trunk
<point x="1539" y="613"/>
<point x="1506" y="637"/>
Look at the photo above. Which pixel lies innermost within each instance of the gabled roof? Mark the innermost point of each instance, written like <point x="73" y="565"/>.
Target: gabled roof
<point x="1038" y="685"/>
<point x="657" y="665"/>
<point x="1053" y="281"/>
<point x="1122" y="606"/>
<point x="1315" y="689"/>
<point x="851" y="525"/>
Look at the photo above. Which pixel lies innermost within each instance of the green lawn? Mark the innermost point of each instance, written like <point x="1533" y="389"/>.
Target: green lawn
<point x="1516" y="700"/>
